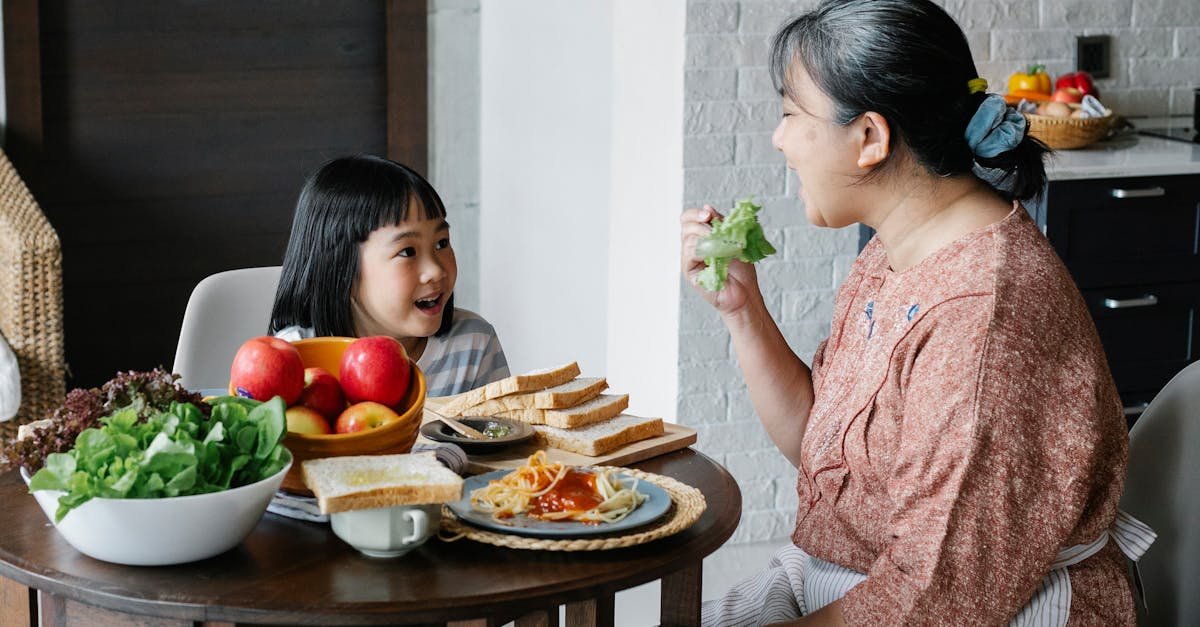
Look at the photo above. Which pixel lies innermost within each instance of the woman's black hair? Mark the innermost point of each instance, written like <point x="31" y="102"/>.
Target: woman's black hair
<point x="908" y="61"/>
<point x="339" y="206"/>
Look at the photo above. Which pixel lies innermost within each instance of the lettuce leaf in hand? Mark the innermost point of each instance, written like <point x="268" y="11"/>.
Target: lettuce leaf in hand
<point x="738" y="236"/>
<point x="177" y="452"/>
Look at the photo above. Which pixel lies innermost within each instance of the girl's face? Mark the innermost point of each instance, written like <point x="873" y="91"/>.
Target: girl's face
<point x="406" y="273"/>
<point x="820" y="151"/>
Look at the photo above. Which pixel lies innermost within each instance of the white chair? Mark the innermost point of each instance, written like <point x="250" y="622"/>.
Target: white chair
<point x="224" y="310"/>
<point x="1163" y="491"/>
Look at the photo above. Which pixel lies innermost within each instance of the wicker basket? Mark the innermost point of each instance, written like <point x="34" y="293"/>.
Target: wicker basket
<point x="1068" y="133"/>
<point x="31" y="306"/>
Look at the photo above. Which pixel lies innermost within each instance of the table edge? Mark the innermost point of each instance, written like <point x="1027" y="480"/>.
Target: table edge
<point x="364" y="614"/>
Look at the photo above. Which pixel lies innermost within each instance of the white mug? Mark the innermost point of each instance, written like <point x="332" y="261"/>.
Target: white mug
<point x="387" y="531"/>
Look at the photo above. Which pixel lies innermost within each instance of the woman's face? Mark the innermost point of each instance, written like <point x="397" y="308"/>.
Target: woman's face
<point x="820" y="151"/>
<point x="406" y="273"/>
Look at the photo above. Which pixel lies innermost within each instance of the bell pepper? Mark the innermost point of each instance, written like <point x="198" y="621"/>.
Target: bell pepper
<point x="1014" y="97"/>
<point x="1079" y="80"/>
<point x="1035" y="80"/>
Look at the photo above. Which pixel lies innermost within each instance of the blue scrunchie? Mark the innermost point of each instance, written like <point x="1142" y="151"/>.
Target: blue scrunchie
<point x="995" y="128"/>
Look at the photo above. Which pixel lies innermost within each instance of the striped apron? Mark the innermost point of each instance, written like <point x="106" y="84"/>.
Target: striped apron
<point x="796" y="583"/>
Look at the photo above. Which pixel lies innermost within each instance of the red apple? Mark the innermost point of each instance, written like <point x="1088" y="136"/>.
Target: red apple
<point x="363" y="416"/>
<point x="265" y="367"/>
<point x="302" y="419"/>
<point x="375" y="369"/>
<point x="322" y="393"/>
<point x="1068" y="94"/>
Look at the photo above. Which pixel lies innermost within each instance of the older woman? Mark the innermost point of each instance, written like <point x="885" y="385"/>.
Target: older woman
<point x="959" y="442"/>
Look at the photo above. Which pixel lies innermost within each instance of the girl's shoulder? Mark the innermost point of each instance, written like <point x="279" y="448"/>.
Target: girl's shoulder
<point x="467" y="322"/>
<point x="469" y="332"/>
<point x="470" y="337"/>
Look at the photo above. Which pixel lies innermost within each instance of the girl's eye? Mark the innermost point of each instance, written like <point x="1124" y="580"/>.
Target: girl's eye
<point x="407" y="252"/>
<point x="443" y="243"/>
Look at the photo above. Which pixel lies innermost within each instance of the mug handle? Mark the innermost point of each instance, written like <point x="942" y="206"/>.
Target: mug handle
<point x="420" y="523"/>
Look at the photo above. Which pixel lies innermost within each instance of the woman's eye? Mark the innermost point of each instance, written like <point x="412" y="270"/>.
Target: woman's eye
<point x="406" y="252"/>
<point x="443" y="243"/>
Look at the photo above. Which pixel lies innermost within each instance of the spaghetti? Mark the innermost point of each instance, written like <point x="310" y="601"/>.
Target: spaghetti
<point x="556" y="492"/>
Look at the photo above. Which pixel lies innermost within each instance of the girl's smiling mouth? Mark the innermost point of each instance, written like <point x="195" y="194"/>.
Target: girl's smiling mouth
<point x="431" y="305"/>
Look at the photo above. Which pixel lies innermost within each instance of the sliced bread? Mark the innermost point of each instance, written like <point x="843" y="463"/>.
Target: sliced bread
<point x="600" y="408"/>
<point x="569" y="394"/>
<point x="597" y="439"/>
<point x="528" y="382"/>
<point x="369" y="481"/>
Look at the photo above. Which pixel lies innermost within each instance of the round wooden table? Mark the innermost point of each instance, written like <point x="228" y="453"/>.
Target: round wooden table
<point x="293" y="572"/>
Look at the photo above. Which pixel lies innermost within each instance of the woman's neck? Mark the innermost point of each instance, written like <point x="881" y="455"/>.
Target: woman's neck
<point x="934" y="213"/>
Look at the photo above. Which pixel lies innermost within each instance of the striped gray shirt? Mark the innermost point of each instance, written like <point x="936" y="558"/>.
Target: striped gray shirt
<point x="467" y="357"/>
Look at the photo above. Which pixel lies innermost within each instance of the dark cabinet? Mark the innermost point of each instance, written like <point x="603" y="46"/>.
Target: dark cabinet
<point x="1133" y="246"/>
<point x="1128" y="231"/>
<point x="1149" y="333"/>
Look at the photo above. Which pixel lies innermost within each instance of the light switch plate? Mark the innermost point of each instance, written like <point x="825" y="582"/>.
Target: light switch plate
<point x="1093" y="54"/>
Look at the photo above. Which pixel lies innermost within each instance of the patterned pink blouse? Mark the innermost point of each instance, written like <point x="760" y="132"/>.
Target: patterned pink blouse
<point x="965" y="429"/>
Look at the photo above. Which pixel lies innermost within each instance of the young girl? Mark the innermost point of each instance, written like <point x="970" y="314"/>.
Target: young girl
<point x="959" y="443"/>
<point x="370" y="254"/>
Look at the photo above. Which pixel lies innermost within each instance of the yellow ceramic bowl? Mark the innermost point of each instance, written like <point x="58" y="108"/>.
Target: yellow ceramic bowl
<point x="397" y="436"/>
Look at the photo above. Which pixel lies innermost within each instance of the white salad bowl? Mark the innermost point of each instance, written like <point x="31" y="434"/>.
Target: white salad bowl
<point x="161" y="531"/>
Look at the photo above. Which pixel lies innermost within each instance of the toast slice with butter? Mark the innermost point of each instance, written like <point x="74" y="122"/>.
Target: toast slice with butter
<point x="600" y="408"/>
<point x="529" y="382"/>
<point x="569" y="394"/>
<point x="368" y="481"/>
<point x="600" y="438"/>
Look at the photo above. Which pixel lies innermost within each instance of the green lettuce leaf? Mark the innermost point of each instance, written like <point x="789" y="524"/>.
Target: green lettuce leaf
<point x="738" y="236"/>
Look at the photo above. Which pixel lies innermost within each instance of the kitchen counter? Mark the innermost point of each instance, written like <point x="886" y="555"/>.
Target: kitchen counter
<point x="1128" y="154"/>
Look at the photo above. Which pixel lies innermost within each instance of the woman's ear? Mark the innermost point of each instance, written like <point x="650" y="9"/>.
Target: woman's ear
<point x="875" y="140"/>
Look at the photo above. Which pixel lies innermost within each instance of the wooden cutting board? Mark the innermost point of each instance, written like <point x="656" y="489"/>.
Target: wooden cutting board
<point x="674" y="438"/>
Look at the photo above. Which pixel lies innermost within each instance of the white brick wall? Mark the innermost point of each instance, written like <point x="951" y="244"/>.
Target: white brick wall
<point x="730" y="110"/>
<point x="1156" y="45"/>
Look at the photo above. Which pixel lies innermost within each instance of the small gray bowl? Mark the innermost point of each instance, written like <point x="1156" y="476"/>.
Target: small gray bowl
<point x="517" y="432"/>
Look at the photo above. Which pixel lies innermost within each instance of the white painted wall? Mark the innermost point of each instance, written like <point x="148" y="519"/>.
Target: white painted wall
<point x="581" y="186"/>
<point x="546" y="76"/>
<point x="647" y="194"/>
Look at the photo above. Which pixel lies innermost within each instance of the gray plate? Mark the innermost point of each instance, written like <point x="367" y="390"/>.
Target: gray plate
<point x="656" y="504"/>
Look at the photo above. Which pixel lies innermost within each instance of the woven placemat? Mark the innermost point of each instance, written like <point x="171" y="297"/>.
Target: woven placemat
<point x="687" y="504"/>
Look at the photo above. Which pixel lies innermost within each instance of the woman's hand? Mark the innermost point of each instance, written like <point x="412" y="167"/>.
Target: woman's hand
<point x="780" y="385"/>
<point x="742" y="283"/>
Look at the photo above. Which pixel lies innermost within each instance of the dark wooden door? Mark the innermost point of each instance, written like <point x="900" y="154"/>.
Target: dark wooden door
<point x="167" y="140"/>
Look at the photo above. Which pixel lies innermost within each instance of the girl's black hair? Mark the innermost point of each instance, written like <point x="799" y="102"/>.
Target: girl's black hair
<point x="339" y="206"/>
<point x="908" y="61"/>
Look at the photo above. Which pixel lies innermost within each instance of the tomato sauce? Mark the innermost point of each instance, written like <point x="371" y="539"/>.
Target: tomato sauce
<point x="575" y="492"/>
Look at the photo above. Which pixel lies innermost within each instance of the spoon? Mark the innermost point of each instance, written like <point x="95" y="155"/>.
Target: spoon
<point x="458" y="426"/>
